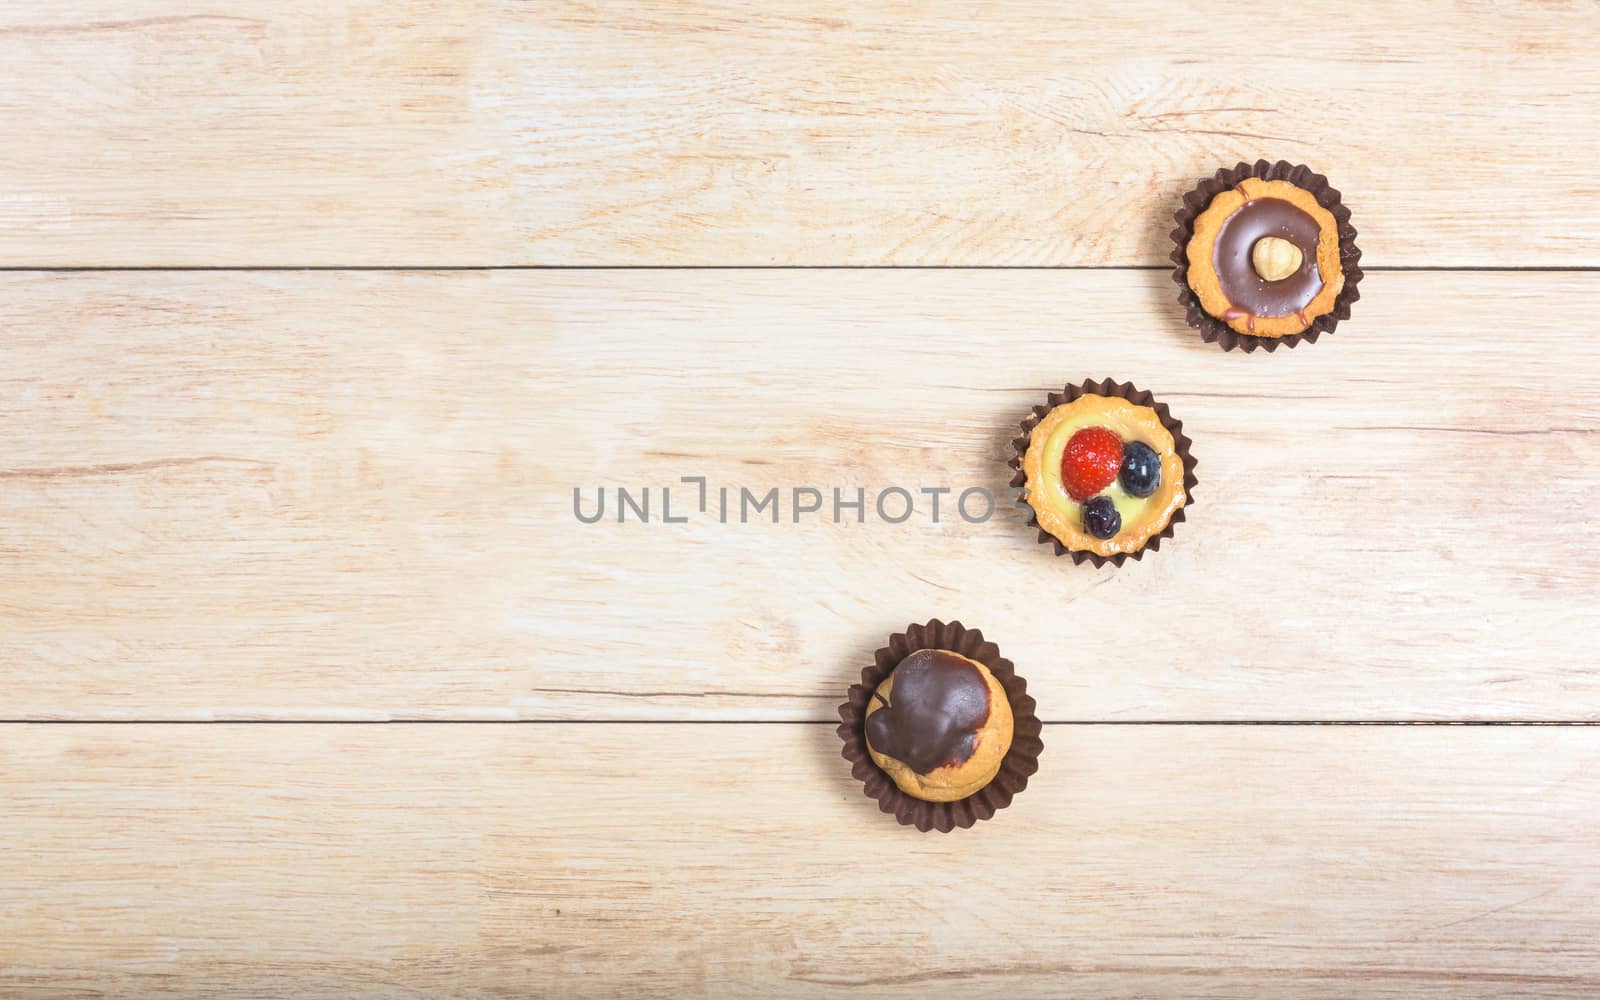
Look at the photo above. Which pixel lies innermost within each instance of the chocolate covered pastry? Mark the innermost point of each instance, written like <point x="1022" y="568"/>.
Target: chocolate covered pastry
<point x="1266" y="256"/>
<point x="939" y="725"/>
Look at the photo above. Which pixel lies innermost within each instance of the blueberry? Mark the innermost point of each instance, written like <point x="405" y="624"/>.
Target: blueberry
<point x="1141" y="469"/>
<point x="1101" y="518"/>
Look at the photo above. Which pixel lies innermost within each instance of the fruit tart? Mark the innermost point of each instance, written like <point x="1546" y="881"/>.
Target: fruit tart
<point x="1105" y="470"/>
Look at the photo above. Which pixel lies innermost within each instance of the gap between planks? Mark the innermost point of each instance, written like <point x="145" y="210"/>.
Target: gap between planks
<point x="1170" y="723"/>
<point x="426" y="268"/>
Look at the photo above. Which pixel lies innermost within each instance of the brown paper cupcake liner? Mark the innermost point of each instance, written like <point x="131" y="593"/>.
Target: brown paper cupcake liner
<point x="1138" y="397"/>
<point x="1213" y="330"/>
<point x="1021" y="761"/>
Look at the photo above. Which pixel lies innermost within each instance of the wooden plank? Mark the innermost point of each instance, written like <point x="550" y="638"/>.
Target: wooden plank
<point x="437" y="132"/>
<point x="678" y="860"/>
<point x="339" y="495"/>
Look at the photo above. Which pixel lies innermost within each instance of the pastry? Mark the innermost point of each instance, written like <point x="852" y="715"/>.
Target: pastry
<point x="940" y="730"/>
<point x="939" y="725"/>
<point x="1105" y="470"/>
<point x="1264" y="258"/>
<point x="1266" y="255"/>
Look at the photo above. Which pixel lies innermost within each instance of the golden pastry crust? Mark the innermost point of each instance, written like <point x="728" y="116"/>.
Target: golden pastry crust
<point x="952" y="782"/>
<point x="1207" y="285"/>
<point x="1062" y="516"/>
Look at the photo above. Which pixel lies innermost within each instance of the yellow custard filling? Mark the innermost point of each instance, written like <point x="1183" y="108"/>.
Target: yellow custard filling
<point x="1062" y="516"/>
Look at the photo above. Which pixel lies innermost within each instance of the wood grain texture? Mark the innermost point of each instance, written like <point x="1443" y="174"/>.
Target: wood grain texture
<point x="351" y="495"/>
<point x="475" y="132"/>
<point x="683" y="860"/>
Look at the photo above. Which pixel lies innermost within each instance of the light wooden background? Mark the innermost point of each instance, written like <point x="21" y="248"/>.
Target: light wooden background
<point x="313" y="315"/>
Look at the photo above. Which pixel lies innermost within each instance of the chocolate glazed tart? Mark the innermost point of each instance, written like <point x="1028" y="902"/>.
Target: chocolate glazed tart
<point x="1019" y="763"/>
<point x="1212" y="329"/>
<point x="1138" y="397"/>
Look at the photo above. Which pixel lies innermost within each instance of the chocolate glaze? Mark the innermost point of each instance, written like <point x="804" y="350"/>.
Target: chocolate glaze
<point x="939" y="702"/>
<point x="1250" y="294"/>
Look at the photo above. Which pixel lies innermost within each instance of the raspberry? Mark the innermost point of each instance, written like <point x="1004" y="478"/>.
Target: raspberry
<point x="1090" y="462"/>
